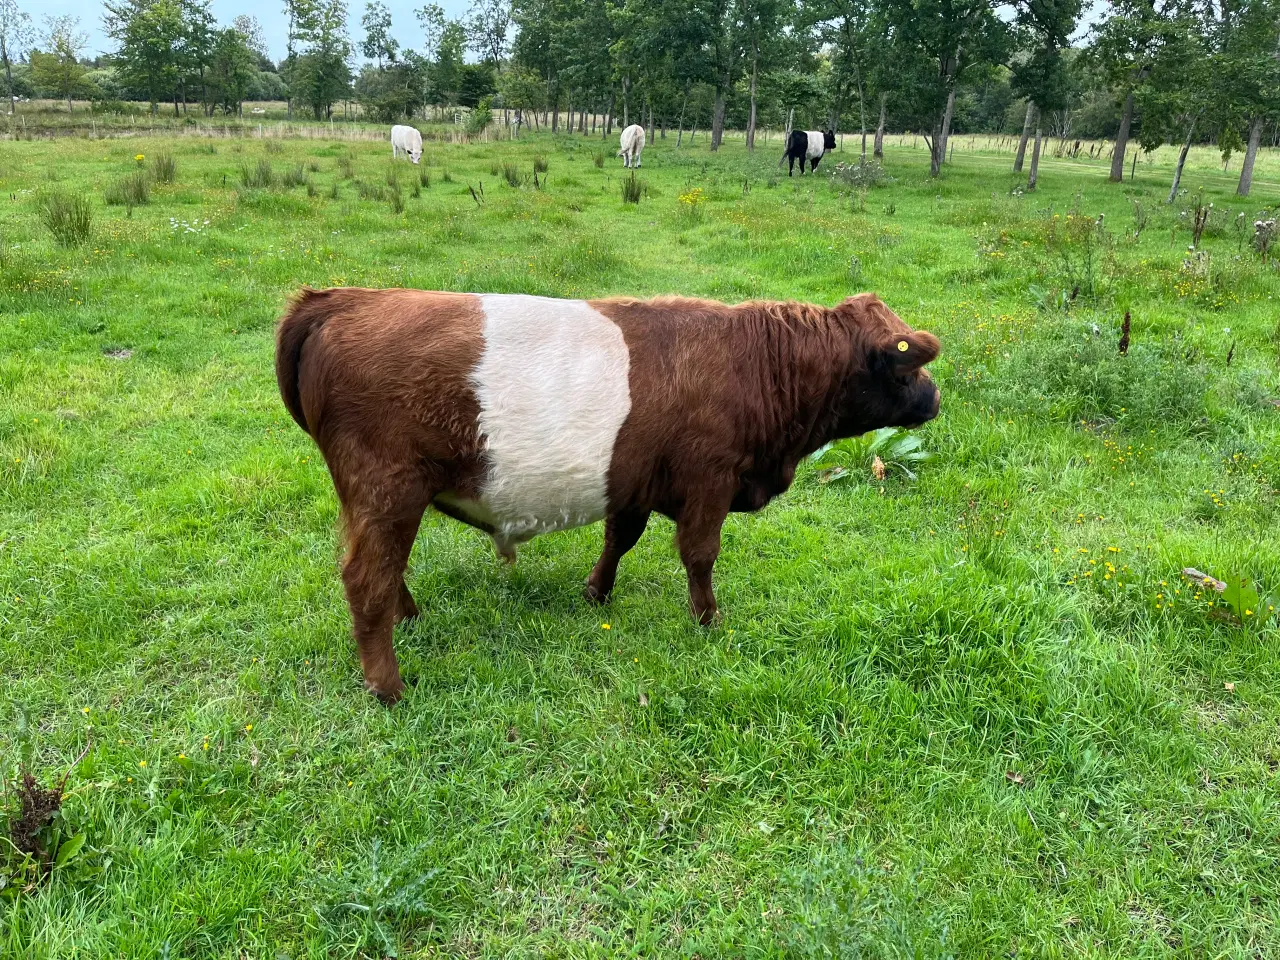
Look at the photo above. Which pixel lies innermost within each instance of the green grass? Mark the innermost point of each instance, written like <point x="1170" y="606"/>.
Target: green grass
<point x="929" y="724"/>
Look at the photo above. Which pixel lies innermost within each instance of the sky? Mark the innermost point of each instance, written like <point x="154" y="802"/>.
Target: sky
<point x="269" y="13"/>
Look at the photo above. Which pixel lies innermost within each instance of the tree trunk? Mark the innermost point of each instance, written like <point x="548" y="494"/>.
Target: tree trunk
<point x="862" y="114"/>
<point x="717" y="121"/>
<point x="751" y="119"/>
<point x="1250" y="154"/>
<point x="683" y="104"/>
<point x="626" y="102"/>
<point x="1122" y="141"/>
<point x="877" y="149"/>
<point x="1026" y="135"/>
<point x="935" y="142"/>
<point x="8" y="73"/>
<point x="1035" y="159"/>
<point x="946" y="123"/>
<point x="1182" y="158"/>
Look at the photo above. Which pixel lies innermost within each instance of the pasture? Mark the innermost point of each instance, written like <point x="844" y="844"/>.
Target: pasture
<point x="975" y="713"/>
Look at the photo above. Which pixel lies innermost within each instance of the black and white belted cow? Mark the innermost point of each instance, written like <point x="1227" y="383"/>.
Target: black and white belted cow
<point x="808" y="145"/>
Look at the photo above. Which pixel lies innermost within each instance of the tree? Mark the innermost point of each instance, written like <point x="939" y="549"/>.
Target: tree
<point x="934" y="43"/>
<point x="57" y="68"/>
<point x="298" y="13"/>
<point x="1124" y="46"/>
<point x="195" y="47"/>
<point x="488" y="23"/>
<point x="232" y="68"/>
<point x="322" y="74"/>
<point x="1040" y="76"/>
<point x="521" y="90"/>
<point x="378" y="44"/>
<point x="1250" y="71"/>
<point x="757" y="24"/>
<point x="1177" y="92"/>
<point x="149" y="33"/>
<point x="15" y="36"/>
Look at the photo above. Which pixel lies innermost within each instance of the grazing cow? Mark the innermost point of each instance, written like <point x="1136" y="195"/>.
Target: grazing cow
<point x="632" y="145"/>
<point x="808" y="145"/>
<point x="406" y="140"/>
<point x="520" y="415"/>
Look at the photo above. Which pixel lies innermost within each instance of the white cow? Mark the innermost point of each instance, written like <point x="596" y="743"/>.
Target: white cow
<point x="632" y="145"/>
<point x="406" y="140"/>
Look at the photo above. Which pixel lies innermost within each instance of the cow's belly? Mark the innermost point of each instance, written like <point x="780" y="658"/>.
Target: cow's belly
<point x="552" y="385"/>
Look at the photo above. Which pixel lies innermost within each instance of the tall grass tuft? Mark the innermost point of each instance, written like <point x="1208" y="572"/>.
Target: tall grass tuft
<point x="260" y="175"/>
<point x="131" y="191"/>
<point x="347" y="167"/>
<point x="397" y="200"/>
<point x="69" y="218"/>
<point x="424" y="177"/>
<point x="164" y="168"/>
<point x="632" y="188"/>
<point x="598" y="159"/>
<point x="511" y="173"/>
<point x="311" y="187"/>
<point x="445" y="176"/>
<point x="539" y="164"/>
<point x="273" y="146"/>
<point x="333" y="192"/>
<point x="294" y="176"/>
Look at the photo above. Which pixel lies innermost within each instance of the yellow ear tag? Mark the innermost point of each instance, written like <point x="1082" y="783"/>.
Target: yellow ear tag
<point x="902" y="346"/>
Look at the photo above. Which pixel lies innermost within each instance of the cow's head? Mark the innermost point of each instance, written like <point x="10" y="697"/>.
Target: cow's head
<point x="415" y="155"/>
<point x="828" y="139"/>
<point x="889" y="386"/>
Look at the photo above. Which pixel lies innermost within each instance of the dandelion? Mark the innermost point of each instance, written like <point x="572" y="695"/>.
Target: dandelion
<point x="142" y="763"/>
<point x="84" y="709"/>
<point x="182" y="756"/>
<point x="139" y="159"/>
<point x="604" y="626"/>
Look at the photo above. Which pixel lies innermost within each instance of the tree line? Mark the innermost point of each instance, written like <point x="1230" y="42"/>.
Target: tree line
<point x="1150" y="71"/>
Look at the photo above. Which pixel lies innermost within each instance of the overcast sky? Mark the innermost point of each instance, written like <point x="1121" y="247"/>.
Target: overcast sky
<point x="270" y="14"/>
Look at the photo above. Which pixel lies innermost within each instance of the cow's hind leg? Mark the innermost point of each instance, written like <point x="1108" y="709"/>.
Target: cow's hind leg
<point x="622" y="531"/>
<point x="380" y="532"/>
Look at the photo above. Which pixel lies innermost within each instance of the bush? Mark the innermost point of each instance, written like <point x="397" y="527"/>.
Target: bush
<point x="293" y="177"/>
<point x="260" y="175"/>
<point x="632" y="188"/>
<point x="859" y="176"/>
<point x="69" y="219"/>
<point x="165" y="168"/>
<point x="131" y="191"/>
<point x="480" y="117"/>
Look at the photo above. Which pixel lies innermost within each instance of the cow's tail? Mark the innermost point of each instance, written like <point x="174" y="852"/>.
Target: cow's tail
<point x="307" y="312"/>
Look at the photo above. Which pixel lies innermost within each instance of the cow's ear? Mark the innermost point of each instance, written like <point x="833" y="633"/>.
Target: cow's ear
<point x="911" y="351"/>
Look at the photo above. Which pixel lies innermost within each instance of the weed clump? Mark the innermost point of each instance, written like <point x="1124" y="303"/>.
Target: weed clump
<point x="165" y="168"/>
<point x="131" y="191"/>
<point x="632" y="188"/>
<point x="293" y="177"/>
<point x="68" y="218"/>
<point x="259" y="176"/>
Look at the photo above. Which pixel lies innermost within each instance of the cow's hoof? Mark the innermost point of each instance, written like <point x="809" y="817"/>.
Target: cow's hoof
<point x="707" y="617"/>
<point x="595" y="595"/>
<point x="388" y="694"/>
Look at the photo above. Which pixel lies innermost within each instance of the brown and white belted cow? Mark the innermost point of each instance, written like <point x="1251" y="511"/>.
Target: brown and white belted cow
<point x="520" y="415"/>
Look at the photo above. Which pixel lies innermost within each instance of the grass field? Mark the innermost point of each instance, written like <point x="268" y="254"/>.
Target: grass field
<point x="975" y="714"/>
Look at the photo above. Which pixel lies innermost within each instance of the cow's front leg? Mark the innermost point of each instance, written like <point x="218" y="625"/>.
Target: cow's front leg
<point x="622" y="531"/>
<point x="698" y="536"/>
